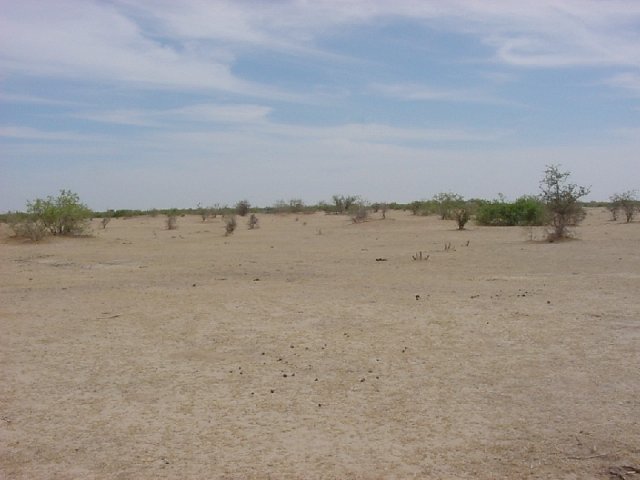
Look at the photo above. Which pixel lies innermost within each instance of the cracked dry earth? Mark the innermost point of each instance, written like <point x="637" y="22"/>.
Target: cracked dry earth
<point x="289" y="352"/>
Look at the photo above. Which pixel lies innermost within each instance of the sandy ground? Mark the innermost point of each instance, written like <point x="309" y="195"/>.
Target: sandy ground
<point x="290" y="352"/>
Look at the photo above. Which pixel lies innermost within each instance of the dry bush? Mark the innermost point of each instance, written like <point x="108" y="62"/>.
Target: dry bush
<point x="230" y="225"/>
<point x="461" y="216"/>
<point x="360" y="213"/>
<point x="205" y="212"/>
<point x="627" y="202"/>
<point x="383" y="210"/>
<point x="104" y="222"/>
<point x="172" y="222"/>
<point x="253" y="222"/>
<point x="30" y="228"/>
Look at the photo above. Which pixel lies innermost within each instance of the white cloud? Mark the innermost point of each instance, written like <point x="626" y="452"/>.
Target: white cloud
<point x="193" y="44"/>
<point x="545" y="33"/>
<point x="94" y="41"/>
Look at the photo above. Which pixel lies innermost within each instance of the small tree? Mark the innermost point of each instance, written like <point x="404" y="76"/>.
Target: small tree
<point x="344" y="203"/>
<point x="415" y="206"/>
<point x="625" y="201"/>
<point x="447" y="203"/>
<point x="242" y="207"/>
<point x="561" y="200"/>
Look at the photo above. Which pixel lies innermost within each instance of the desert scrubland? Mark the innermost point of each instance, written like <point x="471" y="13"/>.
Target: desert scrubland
<point x="315" y="348"/>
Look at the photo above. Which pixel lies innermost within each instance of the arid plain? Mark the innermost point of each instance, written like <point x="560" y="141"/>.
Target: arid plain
<point x="315" y="348"/>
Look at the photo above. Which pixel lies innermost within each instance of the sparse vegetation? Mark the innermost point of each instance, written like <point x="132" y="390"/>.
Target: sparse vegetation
<point x="205" y="212"/>
<point x="562" y="201"/>
<point x="295" y="205"/>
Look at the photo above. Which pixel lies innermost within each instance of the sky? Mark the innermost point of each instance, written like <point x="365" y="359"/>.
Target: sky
<point x="158" y="104"/>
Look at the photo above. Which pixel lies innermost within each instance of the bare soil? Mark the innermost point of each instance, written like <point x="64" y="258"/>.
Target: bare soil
<point x="314" y="348"/>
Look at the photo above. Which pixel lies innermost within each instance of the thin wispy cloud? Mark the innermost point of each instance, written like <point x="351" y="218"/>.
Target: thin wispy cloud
<point x="168" y="118"/>
<point x="17" y="98"/>
<point x="28" y="133"/>
<point x="425" y="93"/>
<point x="628" y="82"/>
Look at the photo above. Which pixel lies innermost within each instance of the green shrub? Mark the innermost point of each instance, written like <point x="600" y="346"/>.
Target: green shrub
<point x="525" y="211"/>
<point x="424" y="207"/>
<point x="63" y="215"/>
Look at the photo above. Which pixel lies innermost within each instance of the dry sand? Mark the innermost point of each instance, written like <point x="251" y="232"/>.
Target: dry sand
<point x="143" y="353"/>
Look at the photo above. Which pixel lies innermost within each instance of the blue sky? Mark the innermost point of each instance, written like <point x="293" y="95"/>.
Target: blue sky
<point x="158" y="104"/>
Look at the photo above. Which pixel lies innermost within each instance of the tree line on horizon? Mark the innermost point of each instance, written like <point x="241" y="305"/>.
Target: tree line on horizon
<point x="558" y="206"/>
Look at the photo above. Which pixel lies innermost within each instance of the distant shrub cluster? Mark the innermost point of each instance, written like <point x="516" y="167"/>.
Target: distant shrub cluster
<point x="525" y="211"/>
<point x="295" y="205"/>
